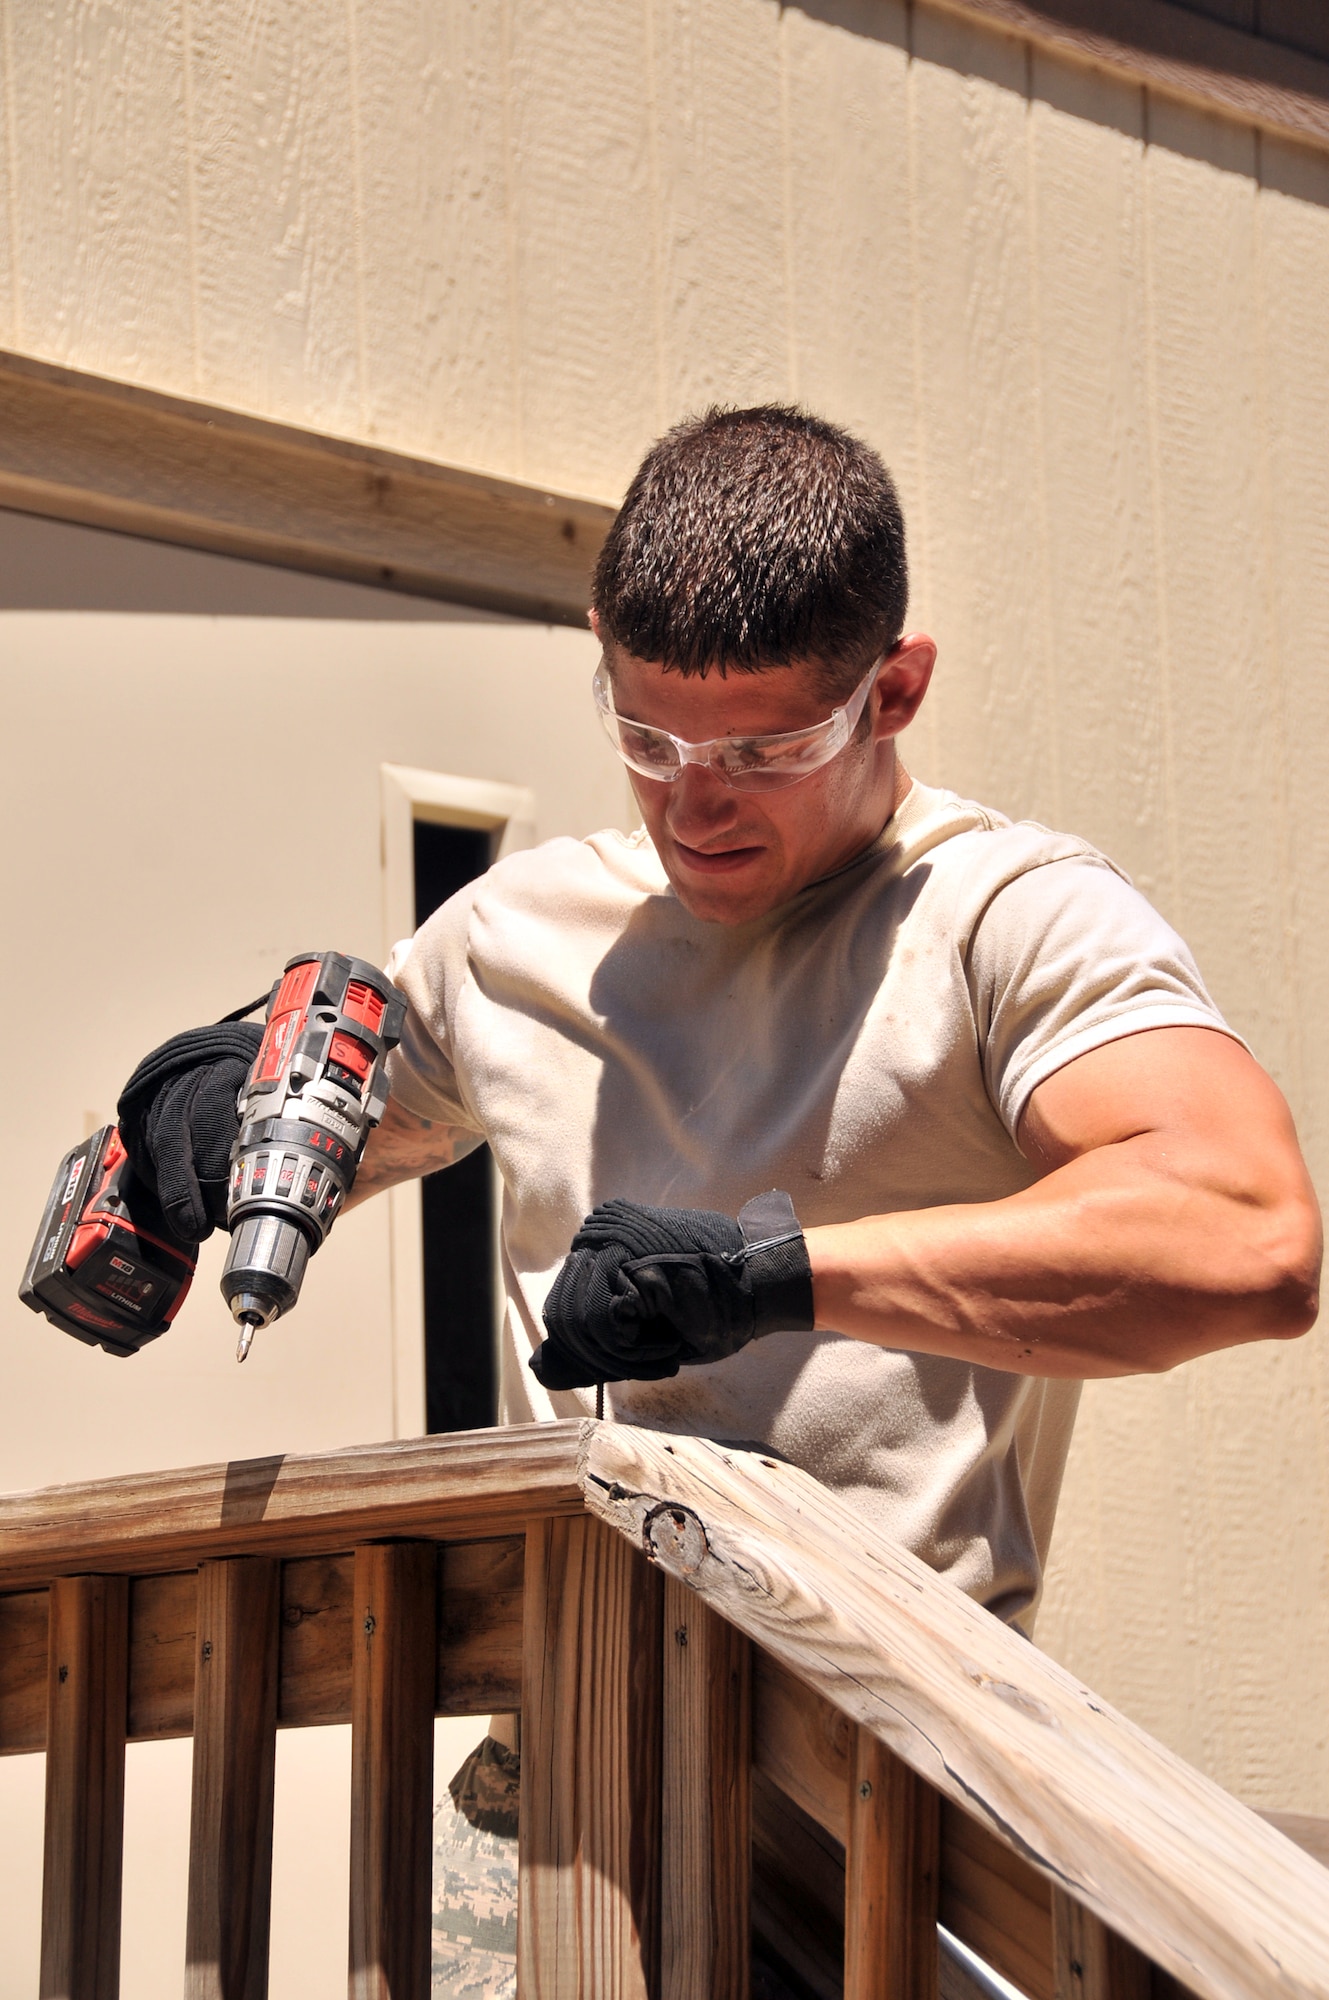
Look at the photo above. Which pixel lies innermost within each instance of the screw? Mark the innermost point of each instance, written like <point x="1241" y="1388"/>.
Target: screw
<point x="682" y="1635"/>
<point x="64" y="1675"/>
<point x="369" y="1624"/>
<point x="865" y="1789"/>
<point x="207" y="1649"/>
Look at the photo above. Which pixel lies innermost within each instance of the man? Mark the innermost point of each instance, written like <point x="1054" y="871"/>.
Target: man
<point x="1012" y="1142"/>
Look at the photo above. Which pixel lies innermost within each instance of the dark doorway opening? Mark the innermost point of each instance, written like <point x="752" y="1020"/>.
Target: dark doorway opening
<point x="461" y="1379"/>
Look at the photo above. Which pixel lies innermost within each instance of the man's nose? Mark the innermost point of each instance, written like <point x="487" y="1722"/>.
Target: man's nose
<point x="700" y="805"/>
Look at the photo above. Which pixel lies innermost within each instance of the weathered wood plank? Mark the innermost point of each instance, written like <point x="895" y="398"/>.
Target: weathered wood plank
<point x="590" y="1801"/>
<point x="996" y="1903"/>
<point x="24" y="1626"/>
<point x="991" y="1898"/>
<point x="467" y="1486"/>
<point x="83" y="448"/>
<point x="1092" y="1962"/>
<point x="1185" y="1873"/>
<point x="392" y="1769"/>
<point x="235" y="1730"/>
<point x="798" y="1878"/>
<point x="480" y="1626"/>
<point x="802" y="1742"/>
<point x="1309" y="1830"/>
<point x="706" y="1810"/>
<point x="314" y="1675"/>
<point x="891" y="1876"/>
<point x="478" y="1664"/>
<point x="1165" y="47"/>
<point x="85" y="1788"/>
<point x="163" y="1620"/>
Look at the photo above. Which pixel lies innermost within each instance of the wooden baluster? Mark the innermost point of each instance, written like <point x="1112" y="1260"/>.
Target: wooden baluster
<point x="892" y="1868"/>
<point x="1090" y="1962"/>
<point x="588" y="1853"/>
<point x="86" y="1708"/>
<point x="706" y="1811"/>
<point x="395" y="1645"/>
<point x="235" y="1740"/>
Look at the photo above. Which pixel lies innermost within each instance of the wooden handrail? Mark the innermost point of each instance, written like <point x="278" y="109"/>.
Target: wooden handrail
<point x="709" y="1659"/>
<point x="461" y="1487"/>
<point x="1199" y="1883"/>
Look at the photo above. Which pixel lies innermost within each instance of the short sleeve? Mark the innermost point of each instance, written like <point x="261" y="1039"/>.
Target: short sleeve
<point x="1064" y="958"/>
<point x="426" y="969"/>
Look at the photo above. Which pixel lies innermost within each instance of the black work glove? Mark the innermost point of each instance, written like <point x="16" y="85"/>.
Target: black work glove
<point x="178" y="1120"/>
<point x="644" y="1291"/>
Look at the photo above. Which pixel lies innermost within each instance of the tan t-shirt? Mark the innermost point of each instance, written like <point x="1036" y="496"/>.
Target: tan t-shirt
<point x="869" y="1046"/>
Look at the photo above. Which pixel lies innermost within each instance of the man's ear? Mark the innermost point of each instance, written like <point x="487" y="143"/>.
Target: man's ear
<point x="593" y="620"/>
<point x="902" y="683"/>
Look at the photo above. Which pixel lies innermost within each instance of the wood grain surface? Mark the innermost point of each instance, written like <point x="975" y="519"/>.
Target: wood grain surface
<point x="589" y="1840"/>
<point x="892" y="1862"/>
<point x="1157" y="1852"/>
<point x="1153" y="42"/>
<point x="706" y="1810"/>
<point x="230" y="1827"/>
<point x="392" y="1770"/>
<point x="24" y="1627"/>
<point x="468" y="1485"/>
<point x="990" y="1897"/>
<point x="478" y="1660"/>
<point x="85" y="1789"/>
<point x="1310" y="1831"/>
<point x="1091" y="1961"/>
<point x="996" y="1903"/>
<point x="83" y="448"/>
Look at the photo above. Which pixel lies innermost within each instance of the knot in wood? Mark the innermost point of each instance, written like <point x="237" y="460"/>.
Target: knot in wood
<point x="674" y="1536"/>
<point x="1014" y="1697"/>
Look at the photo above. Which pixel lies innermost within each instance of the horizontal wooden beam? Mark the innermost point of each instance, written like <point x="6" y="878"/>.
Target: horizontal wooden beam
<point x="1191" y="1878"/>
<point x="477" y="1648"/>
<point x="83" y="448"/>
<point x="1168" y="49"/>
<point x="462" y="1487"/>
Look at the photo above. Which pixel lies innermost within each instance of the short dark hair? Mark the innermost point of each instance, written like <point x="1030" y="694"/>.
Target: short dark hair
<point x="753" y="538"/>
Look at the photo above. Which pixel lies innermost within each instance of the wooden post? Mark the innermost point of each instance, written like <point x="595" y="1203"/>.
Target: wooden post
<point x="86" y="1707"/>
<point x="394" y="1639"/>
<point x="235" y="1739"/>
<point x="1090" y="1962"/>
<point x="892" y="1869"/>
<point x="589" y="1852"/>
<point x="706" y="1815"/>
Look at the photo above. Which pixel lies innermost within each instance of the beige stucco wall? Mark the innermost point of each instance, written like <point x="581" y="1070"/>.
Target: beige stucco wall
<point x="1087" y="327"/>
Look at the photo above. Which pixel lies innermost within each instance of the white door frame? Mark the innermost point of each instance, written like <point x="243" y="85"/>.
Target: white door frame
<point x="508" y="813"/>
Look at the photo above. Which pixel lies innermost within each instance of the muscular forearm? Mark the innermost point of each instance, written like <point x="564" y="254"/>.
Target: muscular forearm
<point x="1129" y="1259"/>
<point x="404" y="1147"/>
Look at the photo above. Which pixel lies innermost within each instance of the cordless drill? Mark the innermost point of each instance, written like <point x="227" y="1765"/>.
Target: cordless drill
<point x="105" y="1266"/>
<point x="317" y="1089"/>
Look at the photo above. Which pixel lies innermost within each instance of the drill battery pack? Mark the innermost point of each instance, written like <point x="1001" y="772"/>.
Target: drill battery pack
<point x="105" y="1267"/>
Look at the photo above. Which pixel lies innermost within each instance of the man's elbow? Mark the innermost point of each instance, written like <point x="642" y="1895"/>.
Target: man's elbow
<point x="1287" y="1302"/>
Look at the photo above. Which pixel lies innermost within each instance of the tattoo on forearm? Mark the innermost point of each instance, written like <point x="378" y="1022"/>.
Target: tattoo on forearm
<point x="405" y="1147"/>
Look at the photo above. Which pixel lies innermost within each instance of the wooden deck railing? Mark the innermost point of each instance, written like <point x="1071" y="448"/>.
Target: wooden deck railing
<point x="739" y="1723"/>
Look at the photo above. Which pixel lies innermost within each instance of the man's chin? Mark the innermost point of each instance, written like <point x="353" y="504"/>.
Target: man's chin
<point x="725" y="899"/>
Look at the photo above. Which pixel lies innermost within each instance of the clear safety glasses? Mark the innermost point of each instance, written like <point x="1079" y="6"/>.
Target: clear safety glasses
<point x="748" y="763"/>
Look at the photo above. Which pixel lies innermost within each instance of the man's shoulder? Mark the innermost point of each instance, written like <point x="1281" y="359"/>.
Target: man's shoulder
<point x="977" y="848"/>
<point x="604" y="869"/>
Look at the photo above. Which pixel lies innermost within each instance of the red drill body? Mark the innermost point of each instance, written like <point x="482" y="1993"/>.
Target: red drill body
<point x="317" y="1089"/>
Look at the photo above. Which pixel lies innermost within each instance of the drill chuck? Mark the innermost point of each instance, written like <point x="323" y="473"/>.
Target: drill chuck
<point x="265" y="1267"/>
